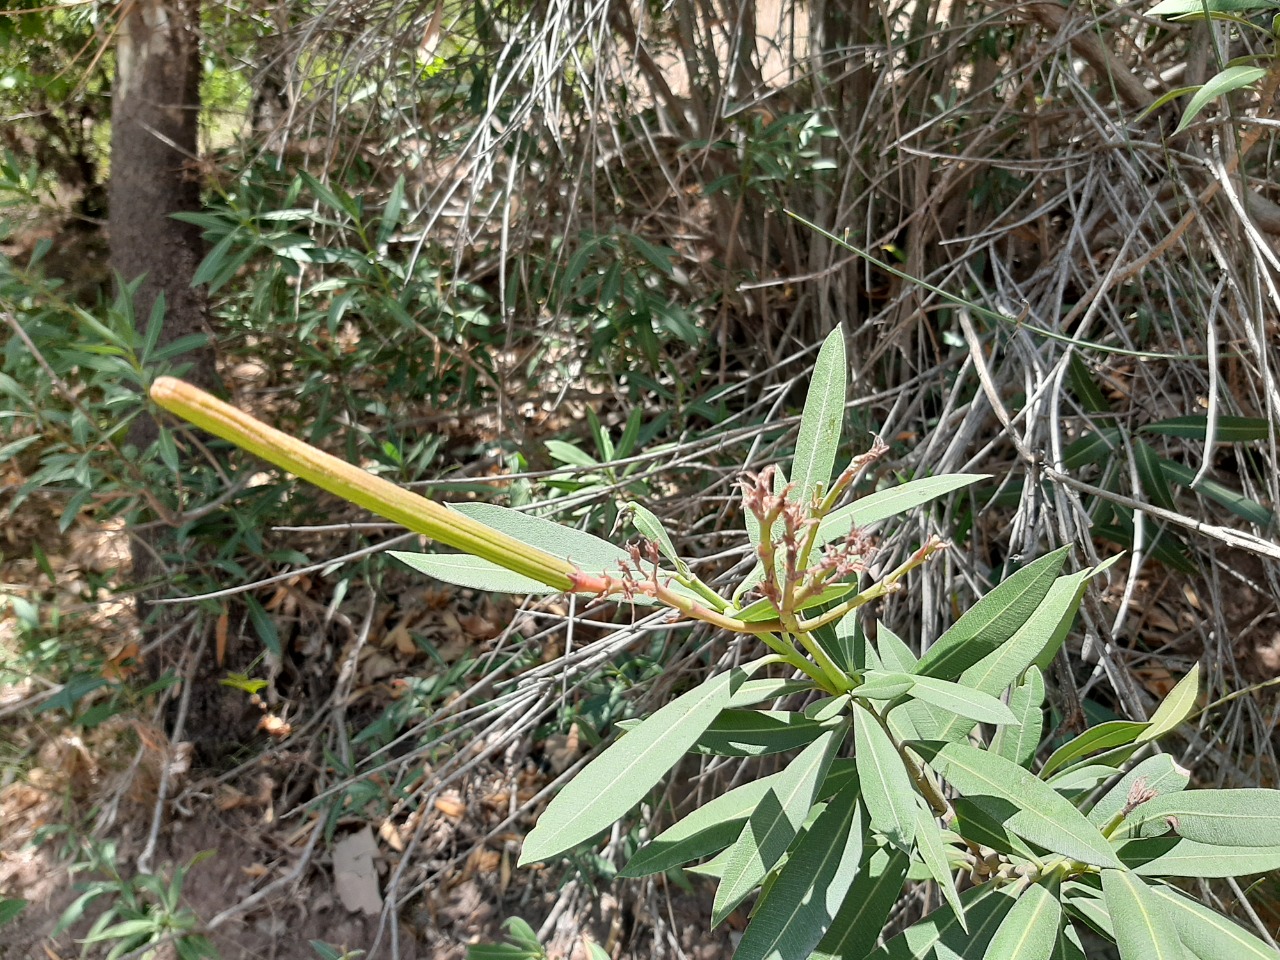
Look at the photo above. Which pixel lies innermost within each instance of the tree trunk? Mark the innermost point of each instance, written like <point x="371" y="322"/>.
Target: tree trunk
<point x="155" y="111"/>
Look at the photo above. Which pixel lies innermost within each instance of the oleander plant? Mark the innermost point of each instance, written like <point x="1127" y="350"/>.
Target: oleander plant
<point x="901" y="769"/>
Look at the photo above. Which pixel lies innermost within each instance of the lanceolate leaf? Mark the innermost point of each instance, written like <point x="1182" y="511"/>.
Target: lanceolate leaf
<point x="1018" y="741"/>
<point x="886" y="785"/>
<point x="992" y="620"/>
<point x="754" y="733"/>
<point x="1113" y="733"/>
<point x="821" y="421"/>
<point x="1030" y="929"/>
<point x="1137" y="915"/>
<point x="974" y="823"/>
<point x="1175" y="857"/>
<point x="933" y="851"/>
<point x="960" y="700"/>
<point x="1047" y="626"/>
<point x="755" y="691"/>
<point x="710" y="828"/>
<point x="1068" y="945"/>
<point x="1025" y="804"/>
<point x="1227" y="429"/>
<point x="1231" y="818"/>
<point x="619" y="778"/>
<point x="464" y="570"/>
<point x="1207" y="934"/>
<point x="985" y="908"/>
<point x="803" y="902"/>
<point x="1232" y="78"/>
<point x="883" y="504"/>
<point x="774" y="824"/>
<point x="1158" y="774"/>
<point x="587" y="551"/>
<point x="884" y="685"/>
<point x="915" y="720"/>
<point x="1174" y="708"/>
<point x="866" y="906"/>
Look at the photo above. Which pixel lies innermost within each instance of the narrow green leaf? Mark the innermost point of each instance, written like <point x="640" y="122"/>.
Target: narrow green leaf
<point x="933" y="851"/>
<point x="1041" y="634"/>
<point x="774" y="824"/>
<point x="264" y="626"/>
<point x="886" y="785"/>
<point x="755" y="733"/>
<point x="977" y="826"/>
<point x="866" y="906"/>
<point x="587" y="551"/>
<point x="755" y="691"/>
<point x="884" y="504"/>
<point x="1019" y="740"/>
<point x="1248" y="817"/>
<point x="649" y="526"/>
<point x="1152" y="479"/>
<point x="883" y="685"/>
<point x="1237" y="503"/>
<point x="916" y="720"/>
<point x="1232" y="78"/>
<point x="1026" y="805"/>
<point x="1158" y="774"/>
<point x="1227" y="430"/>
<point x="1080" y="779"/>
<point x="709" y="829"/>
<point x="1142" y="930"/>
<point x="619" y="778"/>
<point x="1030" y="929"/>
<point x="391" y="212"/>
<point x="985" y="908"/>
<point x="1175" y="857"/>
<point x="1068" y="945"/>
<point x="1175" y="708"/>
<point x="1113" y="733"/>
<point x="992" y="620"/>
<point x="464" y="570"/>
<point x="1085" y="387"/>
<point x="10" y="907"/>
<point x="1207" y="934"/>
<point x="804" y="901"/>
<point x="821" y="421"/>
<point x="1086" y="903"/>
<point x="962" y="701"/>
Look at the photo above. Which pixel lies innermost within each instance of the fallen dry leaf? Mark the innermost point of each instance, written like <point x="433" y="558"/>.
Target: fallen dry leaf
<point x="355" y="878"/>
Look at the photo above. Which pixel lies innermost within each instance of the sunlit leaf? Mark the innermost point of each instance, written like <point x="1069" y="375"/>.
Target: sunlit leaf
<point x="933" y="851"/>
<point x="774" y="824"/>
<point x="1232" y="78"/>
<point x="1142" y="931"/>
<point x="1207" y="934"/>
<point x="1026" y="805"/>
<point x="464" y="570"/>
<point x="962" y="701"/>
<point x="1019" y="740"/>
<point x="1030" y="929"/>
<point x="886" y="785"/>
<point x="821" y="421"/>
<point x="619" y="778"/>
<point x="1246" y="817"/>
<point x="1104" y="736"/>
<point x="1176" y="857"/>
<point x="803" y="902"/>
<point x="992" y="620"/>
<point x="866" y="906"/>
<point x="650" y="527"/>
<point x="1175" y="707"/>
<point x="883" y="504"/>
